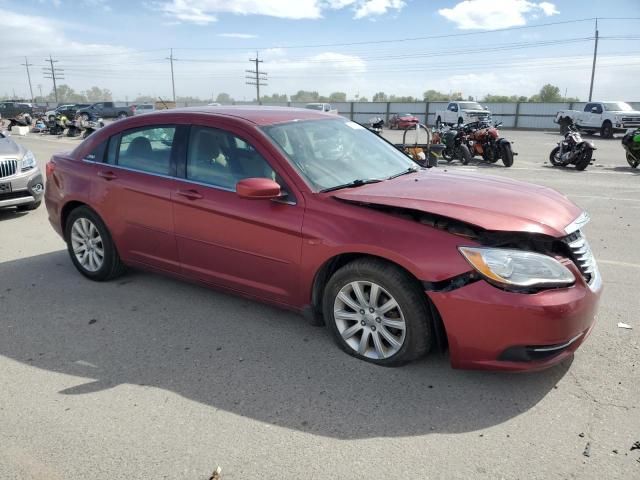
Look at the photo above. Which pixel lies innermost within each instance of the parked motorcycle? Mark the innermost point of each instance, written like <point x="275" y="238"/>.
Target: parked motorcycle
<point x="485" y="141"/>
<point x="455" y="142"/>
<point x="90" y="126"/>
<point x="376" y="124"/>
<point x="631" y="144"/>
<point x="58" y="125"/>
<point x="573" y="150"/>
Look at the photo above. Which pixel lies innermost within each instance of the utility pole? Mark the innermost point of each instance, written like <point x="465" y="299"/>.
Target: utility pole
<point x="54" y="74"/>
<point x="173" y="83"/>
<point x="40" y="88"/>
<point x="27" y="65"/>
<point x="595" y="55"/>
<point x="257" y="76"/>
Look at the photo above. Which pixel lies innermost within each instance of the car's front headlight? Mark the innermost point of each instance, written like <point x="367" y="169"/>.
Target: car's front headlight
<point x="517" y="269"/>
<point x="28" y="161"/>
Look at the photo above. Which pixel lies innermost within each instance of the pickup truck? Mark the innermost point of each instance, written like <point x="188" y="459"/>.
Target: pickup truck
<point x="106" y="110"/>
<point x="604" y="117"/>
<point x="12" y="109"/>
<point x="323" y="107"/>
<point x="68" y="110"/>
<point x="462" y="112"/>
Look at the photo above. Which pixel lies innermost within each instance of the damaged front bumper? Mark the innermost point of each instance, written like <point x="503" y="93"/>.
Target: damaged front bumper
<point x="493" y="329"/>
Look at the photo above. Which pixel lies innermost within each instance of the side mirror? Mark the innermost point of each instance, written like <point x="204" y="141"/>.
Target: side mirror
<point x="258" y="189"/>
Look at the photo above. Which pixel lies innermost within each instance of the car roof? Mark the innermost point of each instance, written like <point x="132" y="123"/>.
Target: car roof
<point x="251" y="113"/>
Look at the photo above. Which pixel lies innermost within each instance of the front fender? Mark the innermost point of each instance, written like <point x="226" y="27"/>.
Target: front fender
<point x="586" y="144"/>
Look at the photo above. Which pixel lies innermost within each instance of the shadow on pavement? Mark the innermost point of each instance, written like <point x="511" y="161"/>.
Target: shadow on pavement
<point x="239" y="356"/>
<point x="11" y="213"/>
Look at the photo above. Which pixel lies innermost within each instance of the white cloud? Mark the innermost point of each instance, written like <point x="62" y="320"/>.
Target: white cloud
<point x="237" y="35"/>
<point x="377" y="7"/>
<point x="493" y="14"/>
<point x="204" y="12"/>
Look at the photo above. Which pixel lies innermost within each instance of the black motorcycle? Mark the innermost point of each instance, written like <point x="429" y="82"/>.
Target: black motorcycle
<point x="90" y="126"/>
<point x="573" y="150"/>
<point x="455" y="142"/>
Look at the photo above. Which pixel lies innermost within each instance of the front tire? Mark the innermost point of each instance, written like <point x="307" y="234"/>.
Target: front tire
<point x="377" y="313"/>
<point x="464" y="154"/>
<point x="91" y="247"/>
<point x="607" y="130"/>
<point x="585" y="159"/>
<point x="507" y="155"/>
<point x="554" y="158"/>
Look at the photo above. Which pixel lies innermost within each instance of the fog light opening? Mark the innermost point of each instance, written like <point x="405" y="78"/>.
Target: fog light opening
<point x="38" y="188"/>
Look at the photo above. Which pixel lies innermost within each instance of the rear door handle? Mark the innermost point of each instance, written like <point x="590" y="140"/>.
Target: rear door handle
<point x="190" y="194"/>
<point x="107" y="175"/>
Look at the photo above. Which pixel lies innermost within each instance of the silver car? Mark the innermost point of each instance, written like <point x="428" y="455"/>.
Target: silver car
<point x="21" y="183"/>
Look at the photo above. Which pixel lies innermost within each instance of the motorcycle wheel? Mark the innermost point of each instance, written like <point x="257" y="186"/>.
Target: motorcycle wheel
<point x="585" y="159"/>
<point x="464" y="154"/>
<point x="554" y="158"/>
<point x="507" y="155"/>
<point x="447" y="155"/>
<point x="632" y="161"/>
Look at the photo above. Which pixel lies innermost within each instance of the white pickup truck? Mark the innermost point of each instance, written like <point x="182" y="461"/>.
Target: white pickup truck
<point x="462" y="112"/>
<point x="604" y="117"/>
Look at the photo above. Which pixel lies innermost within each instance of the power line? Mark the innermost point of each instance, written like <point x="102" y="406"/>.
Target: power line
<point x="257" y="77"/>
<point x="53" y="73"/>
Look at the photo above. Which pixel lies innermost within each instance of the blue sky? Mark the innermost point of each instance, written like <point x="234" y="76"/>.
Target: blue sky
<point x="122" y="45"/>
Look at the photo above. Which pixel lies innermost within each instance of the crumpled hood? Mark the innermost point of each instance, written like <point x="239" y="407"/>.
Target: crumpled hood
<point x="9" y="148"/>
<point x="492" y="203"/>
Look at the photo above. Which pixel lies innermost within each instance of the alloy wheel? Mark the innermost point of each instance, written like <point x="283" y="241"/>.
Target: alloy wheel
<point x="369" y="320"/>
<point x="87" y="244"/>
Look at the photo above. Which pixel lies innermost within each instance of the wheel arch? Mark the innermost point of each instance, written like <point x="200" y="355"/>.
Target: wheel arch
<point x="333" y="264"/>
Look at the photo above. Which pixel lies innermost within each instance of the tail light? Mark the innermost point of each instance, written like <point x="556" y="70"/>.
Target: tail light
<point x="50" y="167"/>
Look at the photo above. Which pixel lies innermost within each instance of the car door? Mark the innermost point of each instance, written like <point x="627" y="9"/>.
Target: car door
<point x="134" y="178"/>
<point x="251" y="246"/>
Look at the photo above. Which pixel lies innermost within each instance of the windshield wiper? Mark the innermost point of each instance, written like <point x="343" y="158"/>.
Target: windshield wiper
<point x="356" y="183"/>
<point x="411" y="169"/>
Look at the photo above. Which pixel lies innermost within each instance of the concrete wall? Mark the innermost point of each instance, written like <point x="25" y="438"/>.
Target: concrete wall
<point x="512" y="115"/>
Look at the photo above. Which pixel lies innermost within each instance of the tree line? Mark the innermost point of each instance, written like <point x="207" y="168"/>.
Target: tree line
<point x="548" y="93"/>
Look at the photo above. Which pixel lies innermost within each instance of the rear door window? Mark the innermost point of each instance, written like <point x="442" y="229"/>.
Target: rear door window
<point x="146" y="150"/>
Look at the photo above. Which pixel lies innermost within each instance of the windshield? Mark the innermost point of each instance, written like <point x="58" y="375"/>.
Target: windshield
<point x="329" y="153"/>
<point x="617" y="107"/>
<point x="470" y="105"/>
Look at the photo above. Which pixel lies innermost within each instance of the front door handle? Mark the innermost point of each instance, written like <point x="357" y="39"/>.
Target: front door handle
<point x="190" y="194"/>
<point x="107" y="175"/>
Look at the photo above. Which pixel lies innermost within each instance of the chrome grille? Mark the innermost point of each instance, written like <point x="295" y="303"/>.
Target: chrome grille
<point x="581" y="254"/>
<point x="8" y="167"/>
<point x="631" y="119"/>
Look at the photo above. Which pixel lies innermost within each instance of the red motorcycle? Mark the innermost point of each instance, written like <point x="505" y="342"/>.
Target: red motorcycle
<point x="484" y="140"/>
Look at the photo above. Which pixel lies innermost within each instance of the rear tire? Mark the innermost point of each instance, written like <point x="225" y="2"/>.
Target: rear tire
<point x="110" y="266"/>
<point x="465" y="154"/>
<point x="373" y="335"/>
<point x="585" y="160"/>
<point x="555" y="161"/>
<point x="507" y="155"/>
<point x="633" y="163"/>
<point x="607" y="130"/>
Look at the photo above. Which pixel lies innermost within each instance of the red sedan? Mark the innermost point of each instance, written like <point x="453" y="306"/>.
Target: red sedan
<point x="403" y="121"/>
<point x="315" y="213"/>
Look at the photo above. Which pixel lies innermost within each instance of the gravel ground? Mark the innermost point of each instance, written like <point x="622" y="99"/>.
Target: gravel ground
<point x="147" y="377"/>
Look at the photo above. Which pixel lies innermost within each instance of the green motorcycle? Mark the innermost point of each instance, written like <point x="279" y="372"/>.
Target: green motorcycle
<point x="631" y="143"/>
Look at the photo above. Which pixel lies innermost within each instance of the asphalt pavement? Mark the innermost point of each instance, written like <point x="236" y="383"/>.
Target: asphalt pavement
<point x="147" y="377"/>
